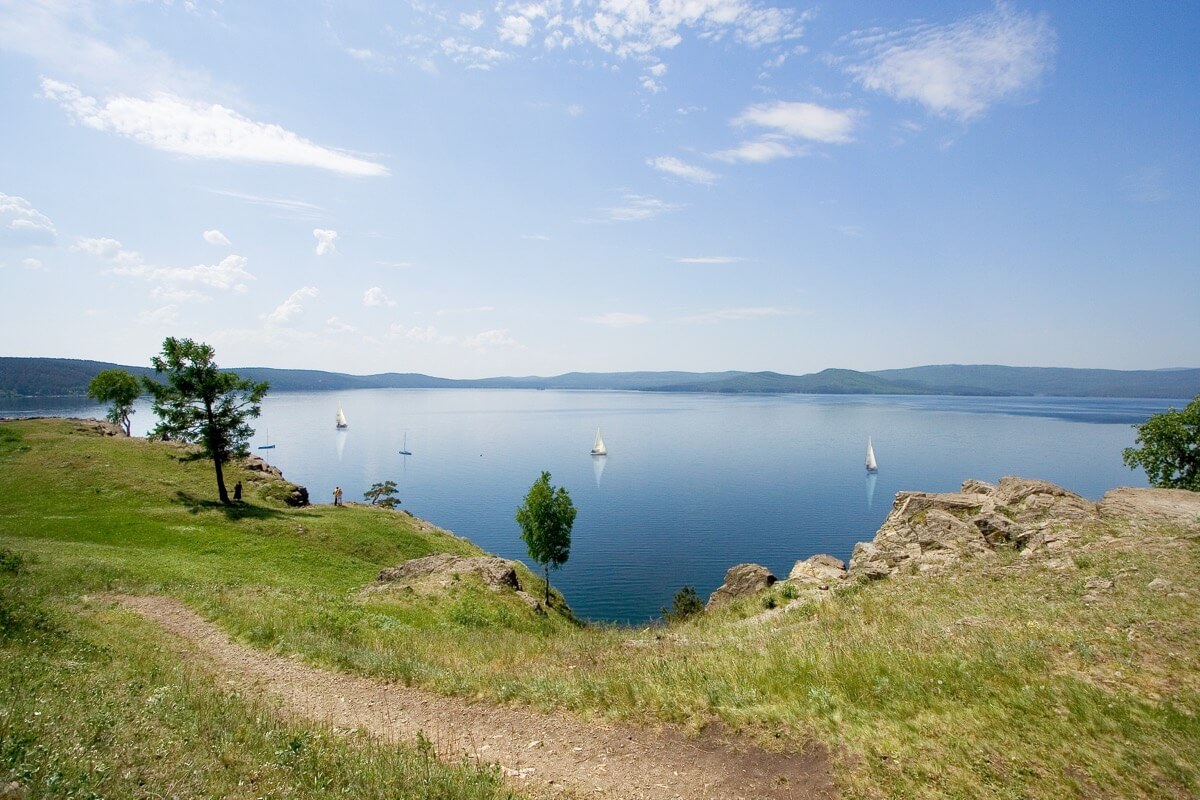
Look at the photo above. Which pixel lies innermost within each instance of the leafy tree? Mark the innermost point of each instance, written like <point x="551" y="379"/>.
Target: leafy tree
<point x="201" y="405"/>
<point x="686" y="603"/>
<point x="383" y="494"/>
<point x="118" y="387"/>
<point x="546" y="518"/>
<point x="1170" y="448"/>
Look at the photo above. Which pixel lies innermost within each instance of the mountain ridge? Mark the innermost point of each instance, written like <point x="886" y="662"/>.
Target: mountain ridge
<point x="43" y="377"/>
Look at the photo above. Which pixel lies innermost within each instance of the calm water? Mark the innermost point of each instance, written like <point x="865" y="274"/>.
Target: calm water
<point x="692" y="485"/>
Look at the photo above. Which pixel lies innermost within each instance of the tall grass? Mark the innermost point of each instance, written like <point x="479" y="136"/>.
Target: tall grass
<point x="999" y="680"/>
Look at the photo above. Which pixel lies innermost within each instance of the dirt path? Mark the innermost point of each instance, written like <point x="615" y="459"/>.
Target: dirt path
<point x="535" y="750"/>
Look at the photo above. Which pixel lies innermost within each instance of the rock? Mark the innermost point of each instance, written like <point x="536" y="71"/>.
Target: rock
<point x="819" y="569"/>
<point x="929" y="532"/>
<point x="256" y="464"/>
<point x="1172" y="506"/>
<point x="496" y="573"/>
<point x="742" y="580"/>
<point x="14" y="790"/>
<point x="1159" y="585"/>
<point x="1098" y="583"/>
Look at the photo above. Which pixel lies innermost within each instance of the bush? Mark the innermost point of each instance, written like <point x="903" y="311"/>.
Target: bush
<point x="686" y="603"/>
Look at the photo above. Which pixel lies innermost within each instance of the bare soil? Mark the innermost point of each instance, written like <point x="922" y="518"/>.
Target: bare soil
<point x="538" y="752"/>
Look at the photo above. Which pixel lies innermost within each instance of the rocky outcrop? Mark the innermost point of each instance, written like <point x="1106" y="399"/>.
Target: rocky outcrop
<point x="441" y="570"/>
<point x="741" y="581"/>
<point x="928" y="532"/>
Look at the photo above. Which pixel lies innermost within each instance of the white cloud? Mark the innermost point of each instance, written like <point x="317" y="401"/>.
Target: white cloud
<point x="960" y="69"/>
<point x="472" y="56"/>
<point x="575" y="110"/>
<point x="758" y="151"/>
<point x="228" y="274"/>
<point x="658" y="70"/>
<point x="426" y="335"/>
<point x="471" y="21"/>
<point x="681" y="169"/>
<point x="293" y="208"/>
<point x="801" y="121"/>
<point x="32" y="263"/>
<point x="637" y="208"/>
<point x="490" y="340"/>
<point x="216" y="237"/>
<point x="166" y="315"/>
<point x="198" y="130"/>
<point x="618" y="319"/>
<point x="376" y="297"/>
<point x="104" y="248"/>
<point x="516" y="30"/>
<point x="535" y="237"/>
<point x="709" y="260"/>
<point x="292" y="306"/>
<point x="336" y="325"/>
<point x="325" y="241"/>
<point x="22" y="224"/>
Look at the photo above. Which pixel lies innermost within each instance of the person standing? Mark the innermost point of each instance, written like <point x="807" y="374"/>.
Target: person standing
<point x="237" y="492"/>
<point x="337" y="495"/>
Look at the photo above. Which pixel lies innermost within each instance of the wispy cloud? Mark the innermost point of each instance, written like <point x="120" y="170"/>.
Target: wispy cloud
<point x="229" y="274"/>
<point x="618" y="319"/>
<point x="293" y="306"/>
<point x="199" y="130"/>
<point x="681" y="169"/>
<point x="535" y="237"/>
<point x="807" y="121"/>
<point x="216" y="237"/>
<point x="961" y="69"/>
<point x="294" y="208"/>
<point x="758" y="151"/>
<point x="1147" y="185"/>
<point x="325" y="241"/>
<point x="22" y="224"/>
<point x="32" y="263"/>
<point x="482" y="342"/>
<point x="638" y="208"/>
<point x="375" y="296"/>
<point x="472" y="56"/>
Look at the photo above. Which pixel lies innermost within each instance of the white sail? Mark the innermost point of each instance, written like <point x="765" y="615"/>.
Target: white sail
<point x="598" y="449"/>
<point x="341" y="419"/>
<point x="871" y="466"/>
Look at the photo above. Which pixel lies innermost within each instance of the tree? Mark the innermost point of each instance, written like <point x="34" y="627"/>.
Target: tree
<point x="383" y="494"/>
<point x="546" y="518"/>
<point x="201" y="405"/>
<point x="686" y="603"/>
<point x="1170" y="448"/>
<point x="118" y="387"/>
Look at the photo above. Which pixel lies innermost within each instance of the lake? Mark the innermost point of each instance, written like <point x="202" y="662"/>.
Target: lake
<point x="693" y="483"/>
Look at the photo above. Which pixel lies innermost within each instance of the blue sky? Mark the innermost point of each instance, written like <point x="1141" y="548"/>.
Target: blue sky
<point x="475" y="189"/>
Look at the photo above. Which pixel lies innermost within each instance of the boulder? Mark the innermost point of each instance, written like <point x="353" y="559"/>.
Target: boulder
<point x="1172" y="506"/>
<point x="742" y="580"/>
<point x="819" y="569"/>
<point x="931" y="531"/>
<point x="495" y="573"/>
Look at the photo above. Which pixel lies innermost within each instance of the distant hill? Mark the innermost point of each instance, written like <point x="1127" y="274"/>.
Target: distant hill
<point x="31" y="377"/>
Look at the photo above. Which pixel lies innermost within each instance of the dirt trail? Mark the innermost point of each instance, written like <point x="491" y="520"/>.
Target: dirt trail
<point x="535" y="750"/>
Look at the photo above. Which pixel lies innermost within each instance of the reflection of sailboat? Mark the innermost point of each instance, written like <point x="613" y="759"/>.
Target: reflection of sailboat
<point x="871" y="466"/>
<point x="598" y="469"/>
<point x="871" y="478"/>
<point x="341" y="419"/>
<point x="404" y="450"/>
<point x="341" y="441"/>
<point x="598" y="449"/>
<point x="267" y="437"/>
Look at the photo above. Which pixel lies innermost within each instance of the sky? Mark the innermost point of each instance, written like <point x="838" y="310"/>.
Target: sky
<point x="485" y="189"/>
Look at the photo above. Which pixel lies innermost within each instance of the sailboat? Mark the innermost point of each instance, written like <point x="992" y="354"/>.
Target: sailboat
<point x="341" y="419"/>
<point x="871" y="466"/>
<point x="598" y="449"/>
<point x="404" y="450"/>
<point x="267" y="437"/>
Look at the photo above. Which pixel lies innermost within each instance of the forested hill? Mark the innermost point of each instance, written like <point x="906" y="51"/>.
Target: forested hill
<point x="62" y="376"/>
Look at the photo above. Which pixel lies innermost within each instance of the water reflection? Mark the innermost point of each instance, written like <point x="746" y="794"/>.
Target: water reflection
<point x="598" y="463"/>
<point x="341" y="443"/>
<point x="871" y="478"/>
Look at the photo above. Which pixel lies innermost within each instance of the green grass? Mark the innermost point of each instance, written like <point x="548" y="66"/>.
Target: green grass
<point x="995" y="681"/>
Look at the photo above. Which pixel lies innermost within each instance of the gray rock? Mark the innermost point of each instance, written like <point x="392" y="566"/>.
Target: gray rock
<point x="1160" y="585"/>
<point x="742" y="580"/>
<point x="818" y="569"/>
<point x="1172" y="506"/>
<point x="496" y="573"/>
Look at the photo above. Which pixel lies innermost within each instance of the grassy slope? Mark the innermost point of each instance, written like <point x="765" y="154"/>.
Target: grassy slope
<point x="999" y="681"/>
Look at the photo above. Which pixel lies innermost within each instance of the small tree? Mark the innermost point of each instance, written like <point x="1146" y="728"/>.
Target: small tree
<point x="546" y="518"/>
<point x="1170" y="448"/>
<point x="686" y="603"/>
<point x="383" y="494"/>
<point x="118" y="387"/>
<point x="201" y="405"/>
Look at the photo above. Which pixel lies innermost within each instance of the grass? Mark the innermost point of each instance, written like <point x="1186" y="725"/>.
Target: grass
<point x="998" y="680"/>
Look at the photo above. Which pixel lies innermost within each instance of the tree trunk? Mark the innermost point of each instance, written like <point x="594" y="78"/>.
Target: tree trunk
<point x="224" y="495"/>
<point x="547" y="584"/>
